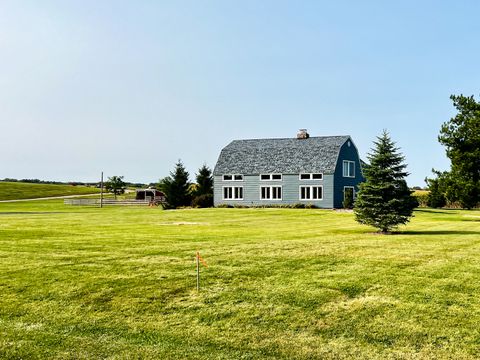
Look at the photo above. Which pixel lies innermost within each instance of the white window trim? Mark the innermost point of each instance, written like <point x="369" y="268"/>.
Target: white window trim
<point x="270" y="177"/>
<point x="311" y="192"/>
<point x="343" y="168"/>
<point x="233" y="193"/>
<point x="271" y="192"/>
<point x="233" y="177"/>
<point x="311" y="177"/>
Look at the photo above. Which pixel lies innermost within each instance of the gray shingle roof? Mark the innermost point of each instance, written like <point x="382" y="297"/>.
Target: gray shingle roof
<point x="285" y="156"/>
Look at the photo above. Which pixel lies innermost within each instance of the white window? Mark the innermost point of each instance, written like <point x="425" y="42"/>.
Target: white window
<point x="233" y="193"/>
<point x="314" y="176"/>
<point x="348" y="168"/>
<point x="270" y="193"/>
<point x="232" y="177"/>
<point x="311" y="192"/>
<point x="271" y="177"/>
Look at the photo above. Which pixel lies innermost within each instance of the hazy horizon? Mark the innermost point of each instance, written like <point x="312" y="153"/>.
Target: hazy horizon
<point x="131" y="87"/>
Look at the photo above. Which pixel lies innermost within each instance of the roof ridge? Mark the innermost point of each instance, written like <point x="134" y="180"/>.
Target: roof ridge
<point x="293" y="138"/>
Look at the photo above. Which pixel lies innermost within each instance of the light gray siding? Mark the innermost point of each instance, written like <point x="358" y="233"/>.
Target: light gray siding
<point x="290" y="190"/>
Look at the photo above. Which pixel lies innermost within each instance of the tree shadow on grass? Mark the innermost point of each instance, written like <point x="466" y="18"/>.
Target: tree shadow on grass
<point x="431" y="211"/>
<point x="437" y="232"/>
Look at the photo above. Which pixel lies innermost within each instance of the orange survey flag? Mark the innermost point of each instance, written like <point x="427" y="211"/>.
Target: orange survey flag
<point x="201" y="259"/>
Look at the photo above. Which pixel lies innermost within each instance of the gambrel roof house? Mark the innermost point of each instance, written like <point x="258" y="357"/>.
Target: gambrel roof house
<point x="309" y="170"/>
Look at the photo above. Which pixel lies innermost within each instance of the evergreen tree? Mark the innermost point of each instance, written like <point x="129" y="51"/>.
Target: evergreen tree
<point x="384" y="199"/>
<point x="461" y="137"/>
<point x="203" y="188"/>
<point x="204" y="181"/>
<point x="175" y="187"/>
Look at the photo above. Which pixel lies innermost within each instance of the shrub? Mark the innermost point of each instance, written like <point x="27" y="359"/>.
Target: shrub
<point x="224" y="206"/>
<point x="203" y="201"/>
<point x="298" y="206"/>
<point x="422" y="197"/>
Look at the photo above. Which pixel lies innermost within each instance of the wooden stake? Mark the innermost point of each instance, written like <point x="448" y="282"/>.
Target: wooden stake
<point x="198" y="271"/>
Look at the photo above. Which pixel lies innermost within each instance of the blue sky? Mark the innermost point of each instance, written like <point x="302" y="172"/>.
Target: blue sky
<point x="129" y="87"/>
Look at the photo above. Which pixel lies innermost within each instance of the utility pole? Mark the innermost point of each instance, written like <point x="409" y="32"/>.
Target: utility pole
<point x="101" y="191"/>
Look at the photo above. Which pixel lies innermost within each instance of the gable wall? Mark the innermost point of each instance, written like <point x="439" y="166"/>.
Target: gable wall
<point x="346" y="153"/>
<point x="290" y="191"/>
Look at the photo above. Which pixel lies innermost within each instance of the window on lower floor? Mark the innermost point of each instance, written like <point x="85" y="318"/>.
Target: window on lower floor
<point x="233" y="193"/>
<point x="271" y="193"/>
<point x="311" y="192"/>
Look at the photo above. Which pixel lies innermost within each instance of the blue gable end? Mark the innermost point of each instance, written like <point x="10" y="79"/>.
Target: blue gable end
<point x="348" y="152"/>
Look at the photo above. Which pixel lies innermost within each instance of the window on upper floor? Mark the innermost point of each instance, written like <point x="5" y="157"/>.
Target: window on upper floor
<point x="311" y="176"/>
<point x="232" y="177"/>
<point x="348" y="168"/>
<point x="271" y="177"/>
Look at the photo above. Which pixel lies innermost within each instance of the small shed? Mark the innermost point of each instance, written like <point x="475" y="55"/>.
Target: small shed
<point x="150" y="195"/>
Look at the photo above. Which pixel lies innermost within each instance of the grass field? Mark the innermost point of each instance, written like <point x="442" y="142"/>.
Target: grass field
<point x="18" y="190"/>
<point x="281" y="283"/>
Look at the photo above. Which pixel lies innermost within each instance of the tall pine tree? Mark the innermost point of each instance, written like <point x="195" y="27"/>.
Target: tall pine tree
<point x="176" y="186"/>
<point x="461" y="137"/>
<point x="384" y="199"/>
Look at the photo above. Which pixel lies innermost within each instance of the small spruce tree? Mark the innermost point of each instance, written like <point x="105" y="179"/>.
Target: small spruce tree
<point x="384" y="200"/>
<point x="175" y="187"/>
<point x="203" y="192"/>
<point x="204" y="181"/>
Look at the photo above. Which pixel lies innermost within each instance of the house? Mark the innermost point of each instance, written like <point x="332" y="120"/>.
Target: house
<point x="311" y="170"/>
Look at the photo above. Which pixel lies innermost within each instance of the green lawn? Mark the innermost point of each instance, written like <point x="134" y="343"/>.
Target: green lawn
<point x="18" y="190"/>
<point x="80" y="282"/>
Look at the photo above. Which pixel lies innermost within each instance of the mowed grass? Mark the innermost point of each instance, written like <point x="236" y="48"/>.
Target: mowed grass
<point x="18" y="190"/>
<point x="80" y="282"/>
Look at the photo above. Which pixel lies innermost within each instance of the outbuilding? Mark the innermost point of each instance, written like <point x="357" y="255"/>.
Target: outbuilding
<point x="149" y="195"/>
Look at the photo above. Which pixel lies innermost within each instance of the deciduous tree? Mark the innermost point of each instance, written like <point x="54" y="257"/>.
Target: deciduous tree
<point x="115" y="185"/>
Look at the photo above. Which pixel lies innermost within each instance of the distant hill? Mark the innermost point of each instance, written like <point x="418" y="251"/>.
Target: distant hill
<point x="20" y="190"/>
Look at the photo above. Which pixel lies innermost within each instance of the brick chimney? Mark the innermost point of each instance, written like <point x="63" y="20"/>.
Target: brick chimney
<point x="302" y="134"/>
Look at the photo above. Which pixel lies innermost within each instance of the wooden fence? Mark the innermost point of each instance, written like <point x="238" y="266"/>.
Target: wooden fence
<point x="96" y="202"/>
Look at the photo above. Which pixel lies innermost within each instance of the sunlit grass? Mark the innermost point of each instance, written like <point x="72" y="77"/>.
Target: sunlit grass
<point x="84" y="282"/>
<point x="18" y="190"/>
